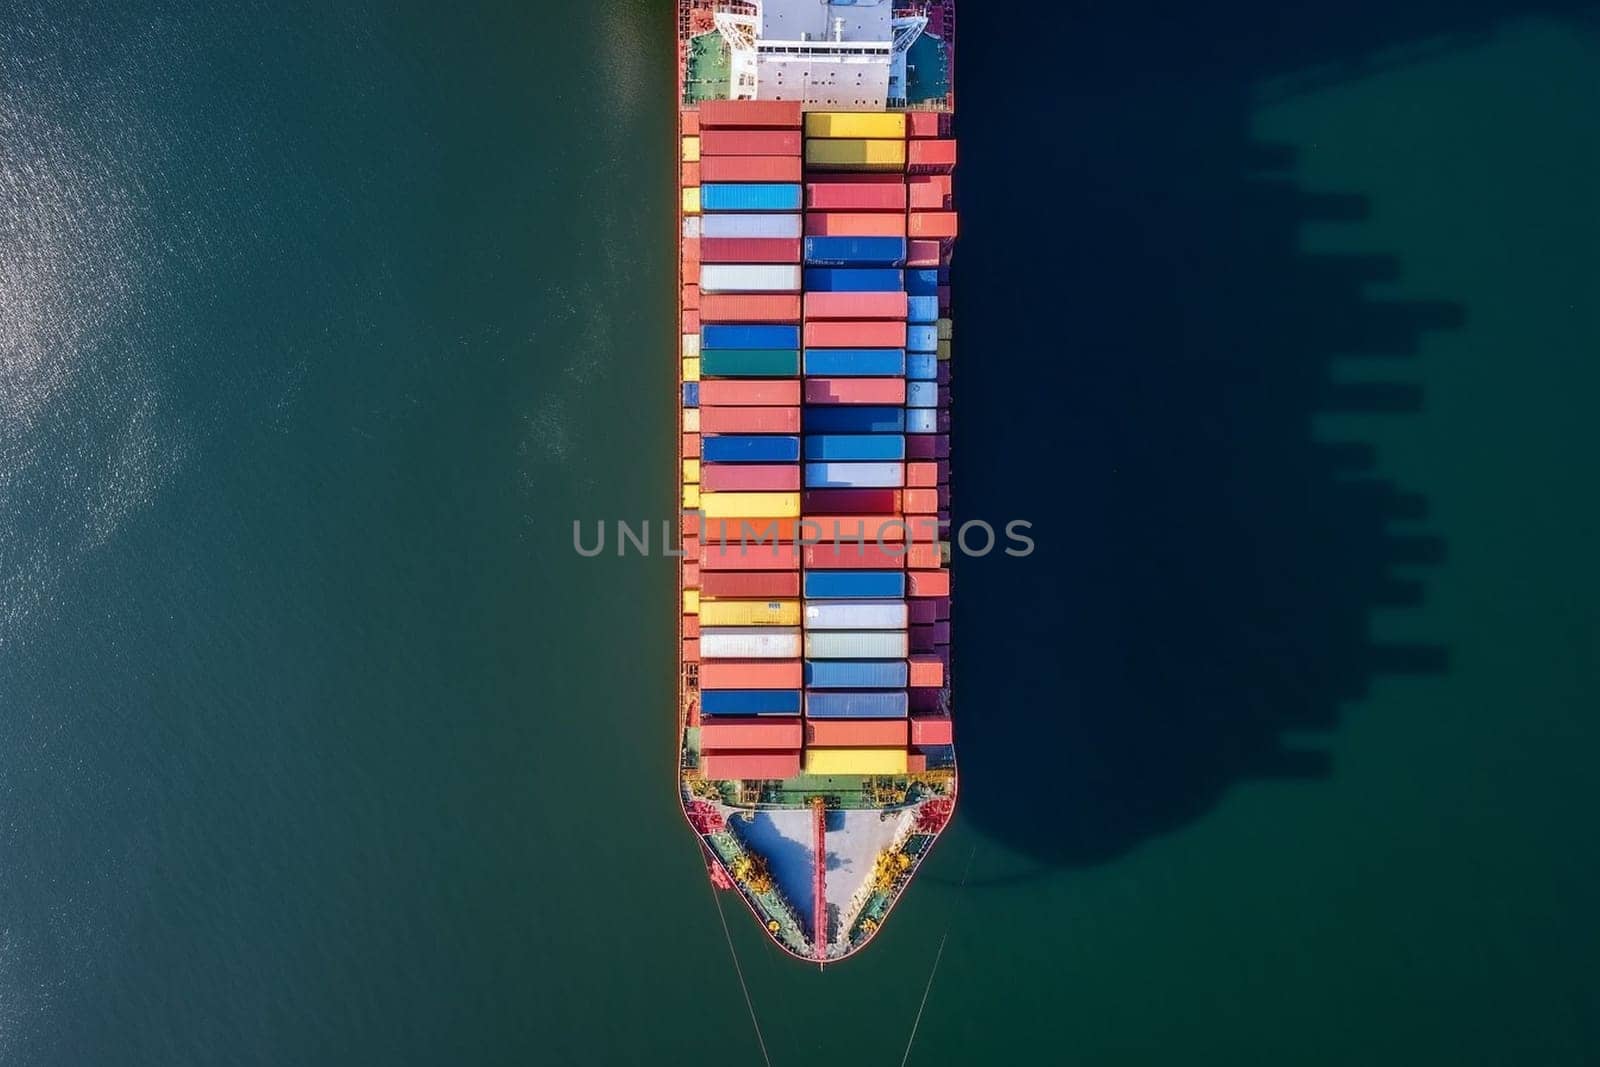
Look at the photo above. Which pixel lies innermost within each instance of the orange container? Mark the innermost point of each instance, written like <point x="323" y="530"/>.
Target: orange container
<point x="689" y="174"/>
<point x="926" y="672"/>
<point x="730" y="555"/>
<point x="855" y="305"/>
<point x="750" y="765"/>
<point x="932" y="730"/>
<point x="691" y="322"/>
<point x="848" y="555"/>
<point x="939" y="224"/>
<point x="924" y="475"/>
<point x="928" y="191"/>
<point x="691" y="298"/>
<point x="691" y="549"/>
<point x="691" y="626"/>
<point x="781" y="114"/>
<point x="691" y="648"/>
<point x="689" y="122"/>
<point x="689" y="521"/>
<point x="691" y="446"/>
<point x="752" y="733"/>
<point x="750" y="392"/>
<point x="749" y="307"/>
<point x="689" y="252"/>
<point x="728" y="531"/>
<point x="875" y="733"/>
<point x="689" y="575"/>
<point x="751" y="674"/>
<point x="924" y="557"/>
<point x="859" y="224"/>
<point x="921" y="501"/>
<point x="749" y="420"/>
<point x="851" y="333"/>
<point x="930" y="153"/>
<point x="928" y="583"/>
<point x="749" y="169"/>
<point x="916" y="763"/>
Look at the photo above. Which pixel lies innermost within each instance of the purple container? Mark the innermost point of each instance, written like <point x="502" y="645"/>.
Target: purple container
<point x="923" y="611"/>
<point x="923" y="638"/>
<point x="942" y="424"/>
<point x="944" y="496"/>
<point x="942" y="375"/>
<point x="919" y="446"/>
<point x="941" y="447"/>
<point x="944" y="396"/>
<point x="944" y="472"/>
<point x="942" y="607"/>
<point x="926" y="700"/>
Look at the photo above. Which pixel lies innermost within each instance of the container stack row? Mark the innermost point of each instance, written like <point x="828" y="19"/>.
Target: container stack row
<point x="816" y="345"/>
<point x="742" y="397"/>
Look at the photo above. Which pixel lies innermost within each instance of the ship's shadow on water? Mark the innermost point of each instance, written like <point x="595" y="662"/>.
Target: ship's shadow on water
<point x="1144" y="349"/>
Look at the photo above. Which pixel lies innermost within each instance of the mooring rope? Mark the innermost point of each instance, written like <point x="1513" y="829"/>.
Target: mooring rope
<point x="937" y="958"/>
<point x="716" y="896"/>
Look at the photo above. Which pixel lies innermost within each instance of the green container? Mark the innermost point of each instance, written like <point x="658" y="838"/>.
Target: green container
<point x="750" y="362"/>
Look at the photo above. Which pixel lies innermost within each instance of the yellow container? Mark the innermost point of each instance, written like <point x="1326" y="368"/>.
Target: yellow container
<point x="947" y="329"/>
<point x="691" y="471"/>
<point x="691" y="200"/>
<point x="691" y="369"/>
<point x="691" y="496"/>
<point x="691" y="345"/>
<point x="944" y="349"/>
<point x="856" y="154"/>
<point x="691" y="420"/>
<point x="691" y="149"/>
<point x="750" y="613"/>
<point x="751" y="505"/>
<point x="856" y="124"/>
<point x="854" y="760"/>
<point x="691" y="601"/>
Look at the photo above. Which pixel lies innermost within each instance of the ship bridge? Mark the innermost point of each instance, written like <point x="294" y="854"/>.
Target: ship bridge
<point x="843" y="55"/>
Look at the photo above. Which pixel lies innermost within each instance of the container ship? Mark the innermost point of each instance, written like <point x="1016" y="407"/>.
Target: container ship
<point x="816" y="758"/>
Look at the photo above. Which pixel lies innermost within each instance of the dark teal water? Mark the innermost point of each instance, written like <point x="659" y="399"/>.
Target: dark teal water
<point x="317" y="745"/>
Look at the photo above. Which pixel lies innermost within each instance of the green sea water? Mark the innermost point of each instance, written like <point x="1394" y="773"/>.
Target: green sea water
<point x="318" y="744"/>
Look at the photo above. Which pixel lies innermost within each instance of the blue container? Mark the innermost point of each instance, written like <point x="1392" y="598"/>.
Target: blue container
<point x="922" y="367"/>
<point x="855" y="475"/>
<point x="691" y="394"/>
<point x="922" y="338"/>
<point x="750" y="701"/>
<point x="921" y="282"/>
<point x="846" y="280"/>
<point x="922" y="394"/>
<point x="749" y="196"/>
<point x="857" y="447"/>
<point x="922" y="420"/>
<point x="749" y="448"/>
<point x="922" y="309"/>
<point x="855" y="251"/>
<point x="853" y="418"/>
<point x="879" y="705"/>
<point x="856" y="673"/>
<point x="855" y="362"/>
<point x="822" y="585"/>
<point x="749" y="337"/>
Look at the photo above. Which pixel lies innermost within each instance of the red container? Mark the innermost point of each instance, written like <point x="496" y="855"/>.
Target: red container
<point x="926" y="529"/>
<point x="863" y="733"/>
<point x="750" y="765"/>
<point x="925" y="556"/>
<point x="927" y="153"/>
<point x="750" y="585"/>
<point x="928" y="671"/>
<point x="856" y="194"/>
<point x="750" y="249"/>
<point x="850" y="556"/>
<point x="690" y="547"/>
<point x="874" y="529"/>
<point x="689" y="252"/>
<point x="922" y="124"/>
<point x="855" y="224"/>
<point x="916" y="763"/>
<point x="749" y="420"/>
<point x="850" y="502"/>
<point x="689" y="523"/>
<point x="753" y="733"/>
<point x="691" y="322"/>
<point x="927" y="583"/>
<point x="749" y="307"/>
<point x="691" y="298"/>
<point x="750" y="169"/>
<point x="922" y="475"/>
<point x="691" y="649"/>
<point x="855" y="306"/>
<point x="937" y="224"/>
<point x="691" y="626"/>
<point x="688" y="122"/>
<point x="921" y="501"/>
<point x="748" y="142"/>
<point x="770" y="113"/>
<point x="918" y="445"/>
<point x="751" y="674"/>
<point x="932" y="731"/>
<point x="752" y="392"/>
<point x="730" y="555"/>
<point x="689" y="174"/>
<point x="689" y="575"/>
<point x="750" y="477"/>
<point x="856" y="333"/>
<point x="690" y="448"/>
<point x="855" y="390"/>
<point x="922" y="254"/>
<point x="928" y="191"/>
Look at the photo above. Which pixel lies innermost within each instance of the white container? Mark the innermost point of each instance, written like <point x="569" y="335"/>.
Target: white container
<point x="732" y="225"/>
<point x="749" y="278"/>
<point x="857" y="644"/>
<point x="922" y="420"/>
<point x="750" y="642"/>
<point x="856" y="615"/>
<point x="691" y="225"/>
<point x="922" y="394"/>
<point x="855" y="475"/>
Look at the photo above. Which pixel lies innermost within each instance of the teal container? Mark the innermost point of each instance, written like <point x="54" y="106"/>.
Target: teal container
<point x="750" y="363"/>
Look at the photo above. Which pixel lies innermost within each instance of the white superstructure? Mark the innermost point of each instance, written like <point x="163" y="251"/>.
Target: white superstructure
<point x="841" y="55"/>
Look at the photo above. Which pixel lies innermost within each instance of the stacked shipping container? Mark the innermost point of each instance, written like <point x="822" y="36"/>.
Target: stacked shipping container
<point x="820" y="340"/>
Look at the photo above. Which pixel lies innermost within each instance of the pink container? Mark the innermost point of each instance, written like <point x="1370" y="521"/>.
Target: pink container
<point x="922" y="253"/>
<point x="856" y="333"/>
<point x="855" y="391"/>
<point x="929" y="730"/>
<point x="750" y="764"/>
<point x="749" y="420"/>
<point x="935" y="224"/>
<point x="733" y="556"/>
<point x="748" y="143"/>
<point x="851" y="556"/>
<point x="730" y="733"/>
<point x="763" y="392"/>
<point x="928" y="192"/>
<point x="750" y="477"/>
<point x="855" y="306"/>
<point x="749" y="250"/>
<point x="856" y="194"/>
<point x="855" y="224"/>
<point x="920" y="475"/>
<point x="927" y="154"/>
<point x="921" y="123"/>
<point x="751" y="674"/>
<point x="923" y="583"/>
<point x="750" y="169"/>
<point x="920" y="501"/>
<point x="778" y="113"/>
